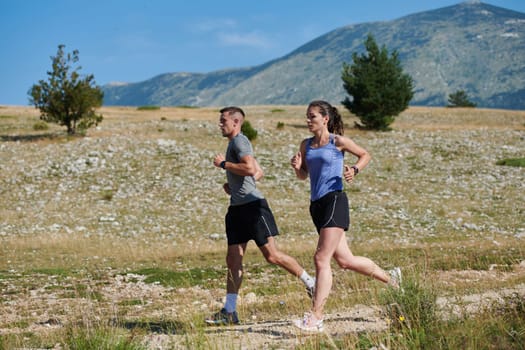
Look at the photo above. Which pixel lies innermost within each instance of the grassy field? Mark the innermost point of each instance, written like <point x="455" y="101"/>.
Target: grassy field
<point x="116" y="239"/>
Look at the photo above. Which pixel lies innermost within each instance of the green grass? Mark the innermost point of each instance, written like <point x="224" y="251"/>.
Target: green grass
<point x="188" y="278"/>
<point x="409" y="208"/>
<point x="100" y="338"/>
<point x="516" y="162"/>
<point x="187" y="107"/>
<point x="148" y="108"/>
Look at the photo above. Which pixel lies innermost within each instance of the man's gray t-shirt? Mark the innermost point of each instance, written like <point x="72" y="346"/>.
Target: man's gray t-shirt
<point x="242" y="188"/>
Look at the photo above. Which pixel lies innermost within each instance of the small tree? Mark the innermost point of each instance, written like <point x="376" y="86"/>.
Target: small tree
<point x="459" y="99"/>
<point x="248" y="130"/>
<point x="378" y="87"/>
<point x="66" y="98"/>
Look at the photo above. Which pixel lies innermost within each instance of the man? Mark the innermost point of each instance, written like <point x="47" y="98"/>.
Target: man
<point x="248" y="217"/>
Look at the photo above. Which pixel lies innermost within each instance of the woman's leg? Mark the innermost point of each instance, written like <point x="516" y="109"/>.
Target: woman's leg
<point x="329" y="239"/>
<point x="346" y="260"/>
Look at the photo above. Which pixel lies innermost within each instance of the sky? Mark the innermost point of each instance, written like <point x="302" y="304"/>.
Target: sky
<point x="135" y="40"/>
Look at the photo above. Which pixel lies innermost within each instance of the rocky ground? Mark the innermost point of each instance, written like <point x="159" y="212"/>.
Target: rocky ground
<point x="50" y="311"/>
<point x="146" y="179"/>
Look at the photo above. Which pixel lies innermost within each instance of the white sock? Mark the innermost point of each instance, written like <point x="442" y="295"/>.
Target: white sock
<point x="308" y="280"/>
<point x="231" y="302"/>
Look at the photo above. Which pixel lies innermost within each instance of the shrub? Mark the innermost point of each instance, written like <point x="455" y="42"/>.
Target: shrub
<point x="412" y="310"/>
<point x="248" y="130"/>
<point x="459" y="99"/>
<point x="148" y="108"/>
<point x="518" y="162"/>
<point x="40" y="125"/>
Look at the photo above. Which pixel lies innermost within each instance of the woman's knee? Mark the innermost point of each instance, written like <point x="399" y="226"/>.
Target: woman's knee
<point x="321" y="260"/>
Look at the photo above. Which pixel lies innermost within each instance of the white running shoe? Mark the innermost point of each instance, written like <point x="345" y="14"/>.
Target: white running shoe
<point x="311" y="290"/>
<point x="395" y="278"/>
<point x="309" y="323"/>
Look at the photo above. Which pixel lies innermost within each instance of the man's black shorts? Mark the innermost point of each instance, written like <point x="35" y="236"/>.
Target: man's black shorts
<point x="248" y="221"/>
<point x="331" y="210"/>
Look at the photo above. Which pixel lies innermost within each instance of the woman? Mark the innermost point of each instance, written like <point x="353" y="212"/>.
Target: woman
<point x="321" y="158"/>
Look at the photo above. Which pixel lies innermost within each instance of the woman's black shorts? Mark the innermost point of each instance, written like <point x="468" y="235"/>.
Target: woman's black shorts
<point x="331" y="210"/>
<point x="248" y="221"/>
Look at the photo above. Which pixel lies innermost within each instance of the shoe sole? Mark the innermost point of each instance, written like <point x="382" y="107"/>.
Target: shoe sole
<point x="220" y="323"/>
<point x="309" y="330"/>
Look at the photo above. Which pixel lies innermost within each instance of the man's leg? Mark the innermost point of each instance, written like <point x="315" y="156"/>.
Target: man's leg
<point x="277" y="257"/>
<point x="228" y="314"/>
<point x="234" y="258"/>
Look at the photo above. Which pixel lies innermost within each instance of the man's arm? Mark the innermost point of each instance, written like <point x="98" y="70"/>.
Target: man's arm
<point x="247" y="166"/>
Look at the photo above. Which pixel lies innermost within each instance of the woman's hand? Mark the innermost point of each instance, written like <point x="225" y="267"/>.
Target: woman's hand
<point x="349" y="173"/>
<point x="296" y="161"/>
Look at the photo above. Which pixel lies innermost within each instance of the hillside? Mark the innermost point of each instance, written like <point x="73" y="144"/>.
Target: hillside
<point x="472" y="46"/>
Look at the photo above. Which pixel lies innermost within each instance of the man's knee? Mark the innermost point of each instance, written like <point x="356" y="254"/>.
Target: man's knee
<point x="274" y="258"/>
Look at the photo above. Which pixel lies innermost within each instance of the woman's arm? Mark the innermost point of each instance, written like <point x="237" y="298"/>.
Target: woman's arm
<point x="363" y="157"/>
<point x="298" y="162"/>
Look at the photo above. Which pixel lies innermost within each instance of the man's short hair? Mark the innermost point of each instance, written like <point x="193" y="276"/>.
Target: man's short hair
<point x="232" y="110"/>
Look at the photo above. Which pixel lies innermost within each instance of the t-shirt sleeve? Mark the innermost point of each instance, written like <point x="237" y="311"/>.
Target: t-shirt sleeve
<point x="243" y="146"/>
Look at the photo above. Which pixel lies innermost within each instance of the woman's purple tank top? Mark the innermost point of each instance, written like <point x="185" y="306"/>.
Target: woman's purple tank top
<point x="325" y="167"/>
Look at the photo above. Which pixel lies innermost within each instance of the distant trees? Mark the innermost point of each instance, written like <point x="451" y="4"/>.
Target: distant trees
<point x="66" y="98"/>
<point x="378" y="87"/>
<point x="459" y="99"/>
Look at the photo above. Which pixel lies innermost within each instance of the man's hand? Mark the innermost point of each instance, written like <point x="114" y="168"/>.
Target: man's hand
<point x="226" y="188"/>
<point x="219" y="158"/>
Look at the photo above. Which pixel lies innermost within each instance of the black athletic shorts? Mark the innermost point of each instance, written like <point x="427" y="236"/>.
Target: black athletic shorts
<point x="331" y="210"/>
<point x="248" y="221"/>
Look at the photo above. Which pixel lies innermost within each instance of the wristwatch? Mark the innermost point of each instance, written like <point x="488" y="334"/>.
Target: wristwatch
<point x="356" y="169"/>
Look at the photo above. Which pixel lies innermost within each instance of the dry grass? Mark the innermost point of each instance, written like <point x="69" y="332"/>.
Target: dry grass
<point x="140" y="192"/>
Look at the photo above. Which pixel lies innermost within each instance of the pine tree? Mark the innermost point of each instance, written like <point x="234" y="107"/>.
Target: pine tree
<point x="378" y="87"/>
<point x="66" y="98"/>
<point x="459" y="99"/>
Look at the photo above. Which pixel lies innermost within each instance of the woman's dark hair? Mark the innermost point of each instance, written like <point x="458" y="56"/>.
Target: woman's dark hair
<point x="335" y="121"/>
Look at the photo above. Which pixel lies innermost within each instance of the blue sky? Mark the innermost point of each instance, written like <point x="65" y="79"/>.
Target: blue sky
<point x="132" y="40"/>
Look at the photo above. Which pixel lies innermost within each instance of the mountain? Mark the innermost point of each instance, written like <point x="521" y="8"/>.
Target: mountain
<point x="470" y="46"/>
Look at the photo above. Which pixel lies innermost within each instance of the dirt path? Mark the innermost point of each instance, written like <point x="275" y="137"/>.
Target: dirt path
<point x="281" y="334"/>
<point x="275" y="334"/>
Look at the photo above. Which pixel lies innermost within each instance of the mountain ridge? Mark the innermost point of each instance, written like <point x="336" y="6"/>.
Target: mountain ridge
<point x="472" y="46"/>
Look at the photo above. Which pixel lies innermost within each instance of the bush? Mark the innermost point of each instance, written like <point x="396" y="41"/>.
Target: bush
<point x="412" y="311"/>
<point x="40" y="125"/>
<point x="460" y="99"/>
<point x="518" y="162"/>
<point x="148" y="108"/>
<point x="248" y="130"/>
